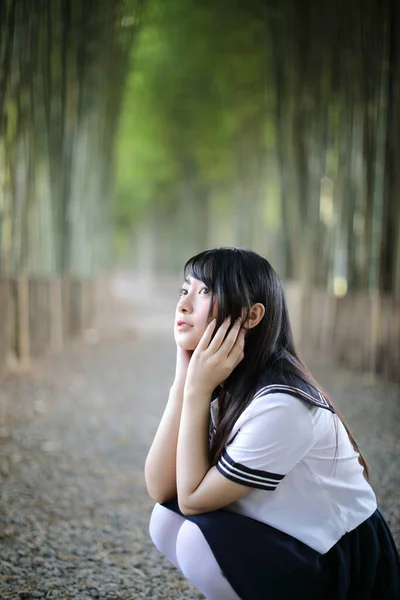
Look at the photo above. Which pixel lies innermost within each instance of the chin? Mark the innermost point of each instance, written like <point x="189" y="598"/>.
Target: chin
<point x="186" y="344"/>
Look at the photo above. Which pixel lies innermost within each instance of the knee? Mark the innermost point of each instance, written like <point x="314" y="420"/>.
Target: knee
<point x="163" y="528"/>
<point x="192" y="552"/>
<point x="158" y="526"/>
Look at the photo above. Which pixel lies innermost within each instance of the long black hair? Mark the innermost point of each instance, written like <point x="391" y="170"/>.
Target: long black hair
<point x="237" y="279"/>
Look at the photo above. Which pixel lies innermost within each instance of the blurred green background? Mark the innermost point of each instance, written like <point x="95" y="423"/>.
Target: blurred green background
<point x="134" y="134"/>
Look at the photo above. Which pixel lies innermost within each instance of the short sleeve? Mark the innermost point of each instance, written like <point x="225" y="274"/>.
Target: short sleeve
<point x="274" y="434"/>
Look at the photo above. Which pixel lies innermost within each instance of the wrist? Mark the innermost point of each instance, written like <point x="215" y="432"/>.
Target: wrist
<point x="197" y="393"/>
<point x="176" y="391"/>
<point x="180" y="378"/>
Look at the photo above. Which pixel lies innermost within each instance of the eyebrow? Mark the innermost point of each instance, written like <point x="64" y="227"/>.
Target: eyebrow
<point x="187" y="280"/>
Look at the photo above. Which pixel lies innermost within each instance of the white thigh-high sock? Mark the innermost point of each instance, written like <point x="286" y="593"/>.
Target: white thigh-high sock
<point x="199" y="566"/>
<point x="164" y="527"/>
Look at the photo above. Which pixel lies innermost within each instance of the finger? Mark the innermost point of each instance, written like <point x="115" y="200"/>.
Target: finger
<point x="236" y="355"/>
<point x="231" y="338"/>
<point x="220" y="335"/>
<point x="207" y="335"/>
<point x="238" y="345"/>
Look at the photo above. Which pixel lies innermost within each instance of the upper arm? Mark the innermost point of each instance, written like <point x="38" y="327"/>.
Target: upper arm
<point x="274" y="435"/>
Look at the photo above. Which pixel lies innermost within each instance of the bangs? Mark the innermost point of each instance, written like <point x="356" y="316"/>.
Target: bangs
<point x="202" y="267"/>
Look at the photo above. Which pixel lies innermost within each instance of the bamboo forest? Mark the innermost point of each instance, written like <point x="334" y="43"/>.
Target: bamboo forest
<point x="135" y="133"/>
<point x="149" y="411"/>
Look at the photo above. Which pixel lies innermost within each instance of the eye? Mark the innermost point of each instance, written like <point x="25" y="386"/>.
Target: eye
<point x="204" y="290"/>
<point x="182" y="292"/>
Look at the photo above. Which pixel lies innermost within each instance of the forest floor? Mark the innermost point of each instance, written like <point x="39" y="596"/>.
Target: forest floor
<point x="74" y="511"/>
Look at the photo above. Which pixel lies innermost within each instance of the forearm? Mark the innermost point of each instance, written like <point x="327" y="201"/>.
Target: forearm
<point x="193" y="453"/>
<point x="160" y="466"/>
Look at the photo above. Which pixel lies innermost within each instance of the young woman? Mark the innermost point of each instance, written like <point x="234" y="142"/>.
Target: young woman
<point x="261" y="490"/>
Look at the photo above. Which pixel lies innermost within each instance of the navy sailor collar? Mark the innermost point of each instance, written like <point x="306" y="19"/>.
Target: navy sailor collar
<point x="316" y="400"/>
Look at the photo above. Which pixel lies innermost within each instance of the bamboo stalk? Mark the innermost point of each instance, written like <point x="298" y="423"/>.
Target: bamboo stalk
<point x="56" y="314"/>
<point x="23" y="330"/>
<point x="376" y="331"/>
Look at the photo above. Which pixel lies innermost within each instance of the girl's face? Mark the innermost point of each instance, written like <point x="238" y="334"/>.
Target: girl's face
<point x="192" y="313"/>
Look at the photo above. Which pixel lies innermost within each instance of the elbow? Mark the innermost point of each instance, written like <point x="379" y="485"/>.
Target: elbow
<point x="159" y="490"/>
<point x="187" y="509"/>
<point x="159" y="496"/>
<point x="189" y="512"/>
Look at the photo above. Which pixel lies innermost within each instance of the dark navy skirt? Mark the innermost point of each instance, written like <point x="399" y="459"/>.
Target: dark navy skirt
<point x="262" y="563"/>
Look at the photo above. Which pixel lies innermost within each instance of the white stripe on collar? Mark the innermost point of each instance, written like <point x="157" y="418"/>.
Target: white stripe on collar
<point x="294" y="391"/>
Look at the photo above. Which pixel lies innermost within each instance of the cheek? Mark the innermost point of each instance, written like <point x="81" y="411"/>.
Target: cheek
<point x="208" y="312"/>
<point x="204" y="321"/>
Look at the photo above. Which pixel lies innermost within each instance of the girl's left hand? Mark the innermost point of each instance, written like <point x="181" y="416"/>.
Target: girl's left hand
<point x="214" y="360"/>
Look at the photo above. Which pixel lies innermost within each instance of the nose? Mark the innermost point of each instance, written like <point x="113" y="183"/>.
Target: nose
<point x="185" y="304"/>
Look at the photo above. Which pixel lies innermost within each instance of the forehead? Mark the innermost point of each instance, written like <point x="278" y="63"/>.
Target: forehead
<point x="192" y="281"/>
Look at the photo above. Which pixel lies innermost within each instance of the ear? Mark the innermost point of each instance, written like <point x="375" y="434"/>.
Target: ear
<point x="257" y="312"/>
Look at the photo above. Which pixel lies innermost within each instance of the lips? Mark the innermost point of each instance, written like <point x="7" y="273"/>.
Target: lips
<point x="181" y="323"/>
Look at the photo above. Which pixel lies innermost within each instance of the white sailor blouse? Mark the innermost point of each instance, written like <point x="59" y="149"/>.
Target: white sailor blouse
<point x="292" y="449"/>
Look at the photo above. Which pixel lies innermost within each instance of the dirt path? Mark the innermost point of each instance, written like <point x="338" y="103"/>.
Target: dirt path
<point x="73" y="507"/>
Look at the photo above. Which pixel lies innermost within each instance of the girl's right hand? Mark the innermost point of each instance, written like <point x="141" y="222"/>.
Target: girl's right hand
<point x="182" y="363"/>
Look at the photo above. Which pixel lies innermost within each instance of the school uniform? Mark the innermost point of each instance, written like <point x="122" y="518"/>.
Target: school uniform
<point x="310" y="528"/>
